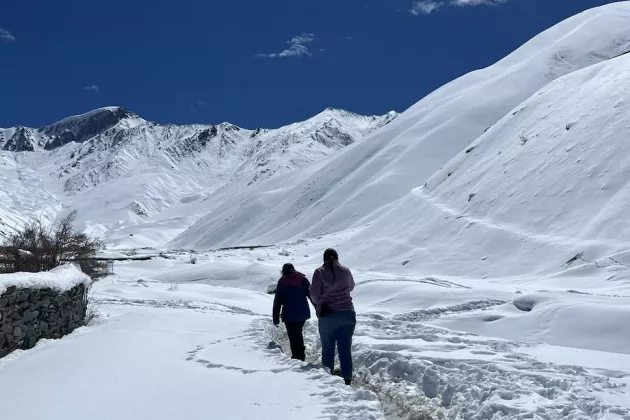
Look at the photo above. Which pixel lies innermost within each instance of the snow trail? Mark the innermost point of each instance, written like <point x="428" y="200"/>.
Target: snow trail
<point x="419" y="371"/>
<point x="150" y="357"/>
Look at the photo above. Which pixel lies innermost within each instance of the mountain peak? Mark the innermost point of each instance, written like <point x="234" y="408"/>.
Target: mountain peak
<point x="229" y="127"/>
<point x="108" y="110"/>
<point x="336" y="111"/>
<point x="79" y="128"/>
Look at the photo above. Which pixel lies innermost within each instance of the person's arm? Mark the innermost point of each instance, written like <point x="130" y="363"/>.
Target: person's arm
<point x="316" y="287"/>
<point x="306" y="287"/>
<point x="351" y="281"/>
<point x="277" y="305"/>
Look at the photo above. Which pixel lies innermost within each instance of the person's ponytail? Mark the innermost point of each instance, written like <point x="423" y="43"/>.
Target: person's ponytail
<point x="330" y="257"/>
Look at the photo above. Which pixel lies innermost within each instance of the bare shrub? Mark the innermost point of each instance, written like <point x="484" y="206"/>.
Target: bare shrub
<point x="94" y="268"/>
<point x="92" y="312"/>
<point x="40" y="248"/>
<point x="91" y="315"/>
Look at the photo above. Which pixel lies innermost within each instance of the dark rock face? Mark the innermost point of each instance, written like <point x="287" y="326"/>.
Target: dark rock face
<point x="82" y="129"/>
<point x="29" y="315"/>
<point x="189" y="146"/>
<point x="21" y="141"/>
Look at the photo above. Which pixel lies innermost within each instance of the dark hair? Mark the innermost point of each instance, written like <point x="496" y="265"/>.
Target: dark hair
<point x="330" y="256"/>
<point x="288" y="269"/>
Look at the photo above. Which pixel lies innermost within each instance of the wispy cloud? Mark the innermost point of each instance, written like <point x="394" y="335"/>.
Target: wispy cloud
<point x="477" y="2"/>
<point x="92" y="88"/>
<point x="197" y="106"/>
<point x="297" y="48"/>
<point x="6" y="36"/>
<point x="425" y="7"/>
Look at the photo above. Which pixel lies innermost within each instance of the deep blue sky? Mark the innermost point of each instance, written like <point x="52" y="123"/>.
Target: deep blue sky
<point x="195" y="60"/>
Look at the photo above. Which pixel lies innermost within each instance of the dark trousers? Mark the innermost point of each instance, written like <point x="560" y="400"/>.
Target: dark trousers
<point x="336" y="330"/>
<point x="294" y="331"/>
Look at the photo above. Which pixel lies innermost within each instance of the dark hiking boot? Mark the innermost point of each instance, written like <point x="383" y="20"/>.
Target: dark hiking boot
<point x="348" y="381"/>
<point x="337" y="372"/>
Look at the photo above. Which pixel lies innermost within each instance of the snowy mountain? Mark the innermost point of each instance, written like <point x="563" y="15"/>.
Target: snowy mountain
<point x="545" y="191"/>
<point x="119" y="169"/>
<point x="78" y="128"/>
<point x="366" y="180"/>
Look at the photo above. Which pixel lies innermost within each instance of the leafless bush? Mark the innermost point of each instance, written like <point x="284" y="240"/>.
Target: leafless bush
<point x="92" y="312"/>
<point x="91" y="315"/>
<point x="94" y="268"/>
<point x="40" y="248"/>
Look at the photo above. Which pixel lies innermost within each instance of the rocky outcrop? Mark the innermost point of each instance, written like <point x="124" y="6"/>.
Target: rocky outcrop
<point x="21" y="141"/>
<point x="29" y="315"/>
<point x="80" y="129"/>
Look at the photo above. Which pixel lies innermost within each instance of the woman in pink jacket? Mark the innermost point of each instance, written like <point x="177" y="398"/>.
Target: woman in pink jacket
<point x="330" y="292"/>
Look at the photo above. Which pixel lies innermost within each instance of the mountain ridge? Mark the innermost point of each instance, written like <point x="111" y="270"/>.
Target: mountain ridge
<point x="80" y="127"/>
<point x="111" y="161"/>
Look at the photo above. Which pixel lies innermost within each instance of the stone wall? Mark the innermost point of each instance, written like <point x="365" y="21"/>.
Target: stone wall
<point x="28" y="315"/>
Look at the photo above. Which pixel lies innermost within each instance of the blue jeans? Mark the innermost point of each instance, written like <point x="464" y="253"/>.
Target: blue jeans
<point x="336" y="330"/>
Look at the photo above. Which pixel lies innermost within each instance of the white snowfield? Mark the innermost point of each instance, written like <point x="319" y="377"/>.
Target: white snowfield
<point x="485" y="226"/>
<point x="61" y="279"/>
<point x="172" y="340"/>
<point x="162" y="352"/>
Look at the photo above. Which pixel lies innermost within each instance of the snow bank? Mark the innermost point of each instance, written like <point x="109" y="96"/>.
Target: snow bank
<point x="560" y="319"/>
<point x="61" y="279"/>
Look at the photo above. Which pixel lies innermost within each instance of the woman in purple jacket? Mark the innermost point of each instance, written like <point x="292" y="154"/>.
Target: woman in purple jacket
<point x="330" y="292"/>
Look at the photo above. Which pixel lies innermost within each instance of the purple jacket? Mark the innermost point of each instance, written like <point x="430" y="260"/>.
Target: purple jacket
<point x="331" y="289"/>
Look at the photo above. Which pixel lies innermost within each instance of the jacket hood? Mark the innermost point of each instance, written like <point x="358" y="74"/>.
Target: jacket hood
<point x="293" y="279"/>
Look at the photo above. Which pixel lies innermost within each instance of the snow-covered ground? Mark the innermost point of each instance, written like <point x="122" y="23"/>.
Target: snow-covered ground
<point x="190" y="340"/>
<point x="161" y="352"/>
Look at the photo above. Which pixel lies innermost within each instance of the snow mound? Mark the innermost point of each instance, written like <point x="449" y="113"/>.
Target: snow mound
<point x="562" y="319"/>
<point x="61" y="279"/>
<point x="359" y="183"/>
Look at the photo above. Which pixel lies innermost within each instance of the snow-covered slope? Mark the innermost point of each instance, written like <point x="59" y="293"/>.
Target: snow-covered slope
<point x="359" y="183"/>
<point x="22" y="195"/>
<point x="119" y="170"/>
<point x="544" y="190"/>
